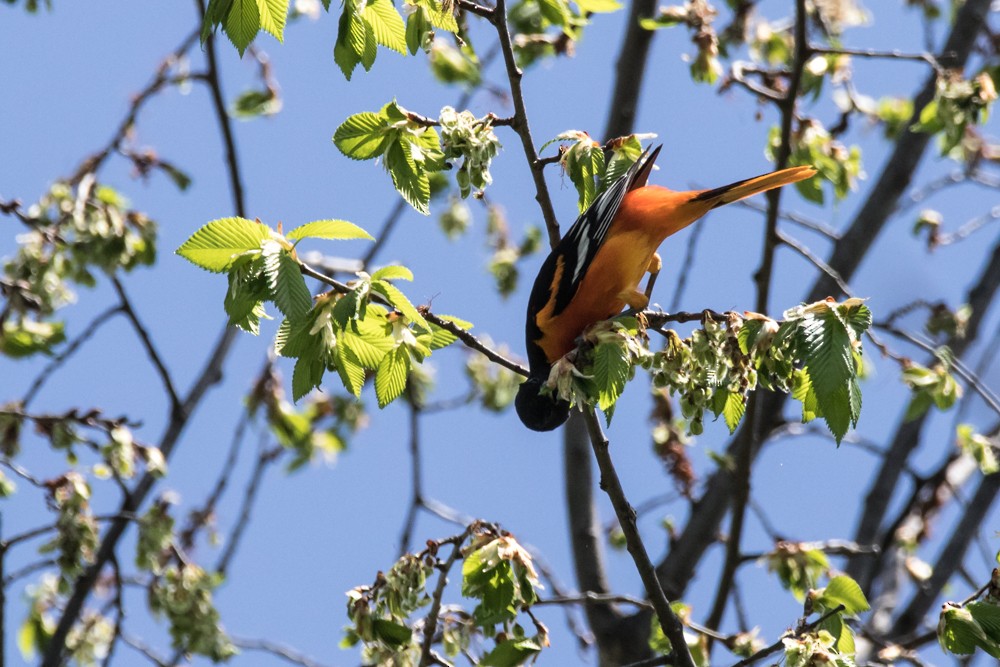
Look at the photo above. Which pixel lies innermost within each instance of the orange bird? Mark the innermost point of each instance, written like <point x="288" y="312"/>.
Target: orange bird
<point x="595" y="270"/>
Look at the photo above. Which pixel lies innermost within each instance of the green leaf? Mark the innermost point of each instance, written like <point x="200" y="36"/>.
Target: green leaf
<point x="386" y="24"/>
<point x="598" y="6"/>
<point x="329" y="229"/>
<point x="442" y="337"/>
<point x="284" y="278"/>
<point x="511" y="652"/>
<point x="845" y="591"/>
<point x="253" y="103"/>
<point x="400" y="303"/>
<point x="611" y="373"/>
<point x="307" y="375"/>
<point x="393" y="272"/>
<point x="215" y="14"/>
<point x="350" y="367"/>
<point x="412" y="184"/>
<point x="841" y="632"/>
<point x="248" y="289"/>
<point x="371" y="341"/>
<point x="829" y="360"/>
<point x="272" y="17"/>
<point x="733" y="409"/>
<point x="393" y="634"/>
<point x="363" y="136"/>
<point x="987" y="614"/>
<point x="390" y="378"/>
<point x="417" y="26"/>
<point x="242" y="23"/>
<point x="439" y="16"/>
<point x="219" y="243"/>
<point x="350" y="40"/>
<point x="351" y="306"/>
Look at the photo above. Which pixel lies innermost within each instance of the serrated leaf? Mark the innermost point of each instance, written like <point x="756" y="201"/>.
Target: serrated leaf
<point x="244" y="299"/>
<point x="242" y="24"/>
<point x="346" y="53"/>
<point x="410" y="180"/>
<point x="610" y="372"/>
<point x="829" y="359"/>
<point x="442" y="337"/>
<point x="215" y="14"/>
<point x="399" y="301"/>
<point x="329" y="229"/>
<point x="439" y="16"/>
<point x="362" y="136"/>
<point x="272" y="17"/>
<point x="218" y="244"/>
<point x="987" y="614"/>
<point x="370" y="344"/>
<point x="733" y="409"/>
<point x="307" y="375"/>
<point x="843" y="590"/>
<point x="293" y="339"/>
<point x="393" y="272"/>
<point x="390" y="378"/>
<point x="349" y="367"/>
<point x="369" y="48"/>
<point x="351" y="306"/>
<point x="387" y="25"/>
<point x="284" y="277"/>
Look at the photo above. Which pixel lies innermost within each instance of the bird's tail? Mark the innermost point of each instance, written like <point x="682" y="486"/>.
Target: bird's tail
<point x="727" y="194"/>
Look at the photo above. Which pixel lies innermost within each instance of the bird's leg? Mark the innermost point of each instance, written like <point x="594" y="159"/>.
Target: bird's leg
<point x="635" y="299"/>
<point x="655" y="264"/>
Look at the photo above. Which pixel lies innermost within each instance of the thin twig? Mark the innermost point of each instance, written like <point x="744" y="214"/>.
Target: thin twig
<point x="278" y="650"/>
<point x="147" y="343"/>
<point x="430" y="623"/>
<point x="671" y="625"/>
<point x="68" y="352"/>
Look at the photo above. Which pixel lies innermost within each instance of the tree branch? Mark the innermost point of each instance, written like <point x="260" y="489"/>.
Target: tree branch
<point x="671" y="625"/>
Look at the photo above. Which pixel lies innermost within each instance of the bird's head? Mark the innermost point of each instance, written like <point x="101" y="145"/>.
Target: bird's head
<point x="538" y="411"/>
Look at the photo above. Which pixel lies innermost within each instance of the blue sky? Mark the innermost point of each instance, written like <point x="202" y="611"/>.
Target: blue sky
<point x="67" y="76"/>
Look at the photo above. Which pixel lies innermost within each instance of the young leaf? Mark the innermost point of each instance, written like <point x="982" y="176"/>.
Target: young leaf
<point x="242" y="23"/>
<point x="272" y="17"/>
<point x="611" y="373"/>
<point x="410" y="181"/>
<point x="733" y="409"/>
<point x="390" y="379"/>
<point x="400" y="303"/>
<point x="329" y="229"/>
<point x="387" y="25"/>
<point x="307" y="375"/>
<point x="363" y="136"/>
<point x="284" y="278"/>
<point x="829" y="360"/>
<point x="349" y="367"/>
<point x="217" y="245"/>
<point x="248" y="289"/>
<point x="845" y="591"/>
<point x="442" y="337"/>
<point x="393" y="272"/>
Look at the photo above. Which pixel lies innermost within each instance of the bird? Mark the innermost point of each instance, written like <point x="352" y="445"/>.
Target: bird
<point x="596" y="268"/>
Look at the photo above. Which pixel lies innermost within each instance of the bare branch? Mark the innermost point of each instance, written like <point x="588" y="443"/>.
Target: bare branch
<point x="669" y="622"/>
<point x="68" y="352"/>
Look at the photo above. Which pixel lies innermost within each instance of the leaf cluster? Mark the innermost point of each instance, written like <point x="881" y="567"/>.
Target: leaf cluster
<point x="497" y="573"/>
<point x="368" y="327"/>
<point x="76" y="232"/>
<point x="591" y="170"/>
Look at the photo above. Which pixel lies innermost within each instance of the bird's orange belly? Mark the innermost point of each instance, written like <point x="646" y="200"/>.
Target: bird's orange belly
<point x="616" y="270"/>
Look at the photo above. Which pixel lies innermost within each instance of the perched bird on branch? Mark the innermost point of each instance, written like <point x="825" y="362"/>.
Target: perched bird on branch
<point x="595" y="270"/>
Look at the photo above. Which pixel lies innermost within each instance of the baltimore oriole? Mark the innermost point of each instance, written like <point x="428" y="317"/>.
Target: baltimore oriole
<point x="595" y="270"/>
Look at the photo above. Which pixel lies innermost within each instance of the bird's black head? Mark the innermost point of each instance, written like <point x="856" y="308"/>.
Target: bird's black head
<point x="539" y="412"/>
